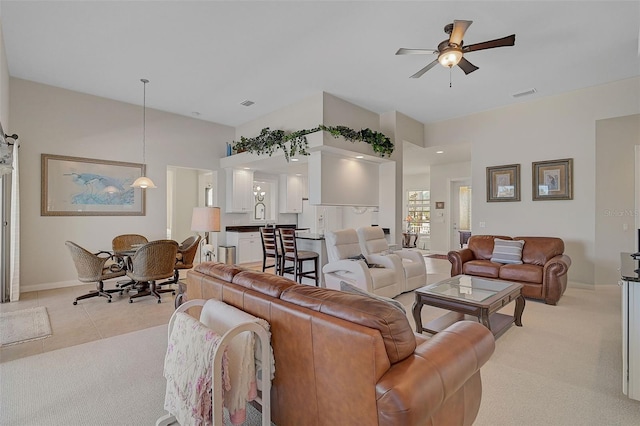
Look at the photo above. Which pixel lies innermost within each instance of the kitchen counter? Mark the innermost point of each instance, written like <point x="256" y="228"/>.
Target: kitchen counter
<point x="309" y="236"/>
<point x="629" y="267"/>
<point x="253" y="228"/>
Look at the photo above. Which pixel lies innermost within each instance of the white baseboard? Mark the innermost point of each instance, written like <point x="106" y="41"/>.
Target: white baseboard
<point x="49" y="286"/>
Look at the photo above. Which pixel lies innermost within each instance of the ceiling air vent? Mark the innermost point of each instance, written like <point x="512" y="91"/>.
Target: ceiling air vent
<point x="524" y="93"/>
<point x="247" y="103"/>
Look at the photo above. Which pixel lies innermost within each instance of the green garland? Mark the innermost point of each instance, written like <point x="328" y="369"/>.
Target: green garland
<point x="295" y="143"/>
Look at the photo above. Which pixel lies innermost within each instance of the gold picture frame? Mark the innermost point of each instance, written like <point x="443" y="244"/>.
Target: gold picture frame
<point x="75" y="186"/>
<point x="552" y="180"/>
<point x="503" y="183"/>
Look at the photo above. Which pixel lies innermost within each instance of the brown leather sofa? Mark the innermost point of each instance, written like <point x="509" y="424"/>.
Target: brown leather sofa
<point x="347" y="359"/>
<point x="543" y="272"/>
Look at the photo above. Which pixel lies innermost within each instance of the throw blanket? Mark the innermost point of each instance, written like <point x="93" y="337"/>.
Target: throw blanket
<point x="241" y="352"/>
<point x="188" y="368"/>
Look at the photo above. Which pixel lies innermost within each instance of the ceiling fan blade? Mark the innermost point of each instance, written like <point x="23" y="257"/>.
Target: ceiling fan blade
<point x="499" y="42"/>
<point x="425" y="69"/>
<point x="405" y="51"/>
<point x="467" y="66"/>
<point x="459" y="28"/>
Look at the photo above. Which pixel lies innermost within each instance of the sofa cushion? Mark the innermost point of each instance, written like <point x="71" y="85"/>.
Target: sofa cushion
<point x="482" y="268"/>
<point x="482" y="245"/>
<point x="350" y="288"/>
<point x="393" y="325"/>
<point x="539" y="250"/>
<point x="524" y="273"/>
<point x="507" y="251"/>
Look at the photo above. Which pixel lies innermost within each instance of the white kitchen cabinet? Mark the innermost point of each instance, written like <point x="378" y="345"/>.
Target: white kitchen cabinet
<point x="291" y="189"/>
<point x="248" y="246"/>
<point x="239" y="191"/>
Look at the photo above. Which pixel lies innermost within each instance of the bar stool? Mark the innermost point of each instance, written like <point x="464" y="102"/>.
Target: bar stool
<point x="270" y="250"/>
<point x="291" y="253"/>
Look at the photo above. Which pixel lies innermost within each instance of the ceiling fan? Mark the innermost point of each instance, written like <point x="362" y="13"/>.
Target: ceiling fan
<point x="451" y="52"/>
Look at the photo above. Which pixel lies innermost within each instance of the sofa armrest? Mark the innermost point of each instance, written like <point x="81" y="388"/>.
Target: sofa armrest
<point x="557" y="265"/>
<point x="458" y="258"/>
<point x="413" y="390"/>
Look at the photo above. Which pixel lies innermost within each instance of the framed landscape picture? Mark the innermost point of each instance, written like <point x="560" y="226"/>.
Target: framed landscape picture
<point x="74" y="186"/>
<point x="553" y="180"/>
<point x="503" y="183"/>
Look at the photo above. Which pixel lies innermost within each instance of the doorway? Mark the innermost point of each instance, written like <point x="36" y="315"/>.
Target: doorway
<point x="460" y="213"/>
<point x="187" y="188"/>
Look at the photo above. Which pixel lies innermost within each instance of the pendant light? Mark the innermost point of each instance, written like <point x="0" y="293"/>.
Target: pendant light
<point x="143" y="181"/>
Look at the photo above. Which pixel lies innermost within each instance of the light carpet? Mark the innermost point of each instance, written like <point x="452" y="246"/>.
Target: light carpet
<point x="116" y="381"/>
<point x="24" y="326"/>
<point x="562" y="368"/>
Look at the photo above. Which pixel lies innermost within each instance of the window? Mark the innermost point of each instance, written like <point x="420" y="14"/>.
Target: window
<point x="419" y="212"/>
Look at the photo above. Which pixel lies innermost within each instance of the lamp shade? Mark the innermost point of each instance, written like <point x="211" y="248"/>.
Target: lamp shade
<point x="143" y="182"/>
<point x="206" y="219"/>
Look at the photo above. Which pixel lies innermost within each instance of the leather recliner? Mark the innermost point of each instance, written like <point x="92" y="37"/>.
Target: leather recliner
<point x="375" y="273"/>
<point x="372" y="241"/>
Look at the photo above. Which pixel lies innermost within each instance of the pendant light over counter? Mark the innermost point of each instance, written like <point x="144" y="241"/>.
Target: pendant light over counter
<point x="143" y="181"/>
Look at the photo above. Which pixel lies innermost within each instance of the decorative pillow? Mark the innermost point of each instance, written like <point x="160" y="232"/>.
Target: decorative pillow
<point x="349" y="288"/>
<point x="507" y="251"/>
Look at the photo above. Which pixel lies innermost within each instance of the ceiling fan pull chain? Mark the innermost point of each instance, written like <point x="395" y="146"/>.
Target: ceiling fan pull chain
<point x="450" y="77"/>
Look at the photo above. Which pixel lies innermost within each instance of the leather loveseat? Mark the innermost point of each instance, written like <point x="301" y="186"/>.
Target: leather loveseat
<point x="543" y="272"/>
<point x="347" y="359"/>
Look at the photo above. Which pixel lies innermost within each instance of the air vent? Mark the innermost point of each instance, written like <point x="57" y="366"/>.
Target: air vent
<point x="247" y="103"/>
<point x="525" y="93"/>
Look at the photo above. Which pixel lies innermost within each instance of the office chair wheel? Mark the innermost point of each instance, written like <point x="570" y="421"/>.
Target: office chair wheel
<point x="109" y="300"/>
<point x="159" y="301"/>
<point x="75" y="302"/>
<point x="121" y="292"/>
<point x="130" y="300"/>
<point x="173" y="292"/>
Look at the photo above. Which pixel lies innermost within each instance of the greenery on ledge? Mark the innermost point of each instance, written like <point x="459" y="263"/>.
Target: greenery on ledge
<point x="295" y="143"/>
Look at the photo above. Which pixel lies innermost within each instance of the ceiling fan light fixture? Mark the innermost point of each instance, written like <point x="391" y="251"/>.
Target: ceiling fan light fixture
<point x="450" y="57"/>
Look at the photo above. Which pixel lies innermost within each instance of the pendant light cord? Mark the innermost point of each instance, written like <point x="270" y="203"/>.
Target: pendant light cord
<point x="144" y="118"/>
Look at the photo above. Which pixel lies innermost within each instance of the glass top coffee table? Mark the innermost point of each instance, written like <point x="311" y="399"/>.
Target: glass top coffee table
<point x="473" y="296"/>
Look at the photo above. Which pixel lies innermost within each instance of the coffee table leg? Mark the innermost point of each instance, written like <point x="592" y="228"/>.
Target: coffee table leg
<point x="417" y="313"/>
<point x="484" y="318"/>
<point x="517" y="315"/>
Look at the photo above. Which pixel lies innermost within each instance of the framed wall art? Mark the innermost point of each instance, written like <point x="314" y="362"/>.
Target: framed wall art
<point x="73" y="186"/>
<point x="553" y="180"/>
<point x="503" y="183"/>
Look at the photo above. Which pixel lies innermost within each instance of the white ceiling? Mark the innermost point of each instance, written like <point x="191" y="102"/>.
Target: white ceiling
<point x="208" y="56"/>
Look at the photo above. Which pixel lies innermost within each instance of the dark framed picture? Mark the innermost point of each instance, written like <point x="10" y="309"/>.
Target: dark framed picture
<point x="553" y="180"/>
<point x="439" y="205"/>
<point x="74" y="186"/>
<point x="503" y="183"/>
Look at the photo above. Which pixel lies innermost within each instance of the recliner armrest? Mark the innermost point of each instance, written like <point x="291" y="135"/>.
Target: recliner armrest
<point x="347" y="265"/>
<point x="412" y="255"/>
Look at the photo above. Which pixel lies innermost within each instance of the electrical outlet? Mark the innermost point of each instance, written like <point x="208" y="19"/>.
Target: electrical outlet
<point x="482" y="224"/>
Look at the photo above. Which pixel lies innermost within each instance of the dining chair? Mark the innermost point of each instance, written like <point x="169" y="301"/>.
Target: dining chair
<point x="270" y="249"/>
<point x="92" y="268"/>
<point x="184" y="258"/>
<point x="123" y="245"/>
<point x="151" y="262"/>
<point x="291" y="253"/>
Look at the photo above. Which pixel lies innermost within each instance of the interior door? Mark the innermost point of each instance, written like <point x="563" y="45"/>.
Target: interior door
<point x="460" y="212"/>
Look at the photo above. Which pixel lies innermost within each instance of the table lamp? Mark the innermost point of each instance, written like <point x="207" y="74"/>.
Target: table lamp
<point x="206" y="219"/>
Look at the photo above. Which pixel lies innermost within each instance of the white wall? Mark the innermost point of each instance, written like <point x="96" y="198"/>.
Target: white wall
<point x="4" y="86"/>
<point x="57" y="121"/>
<point x="615" y="214"/>
<point x="441" y="177"/>
<point x="545" y="129"/>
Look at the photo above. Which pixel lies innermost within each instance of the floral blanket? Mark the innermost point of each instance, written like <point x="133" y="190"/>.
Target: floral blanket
<point x="188" y="369"/>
